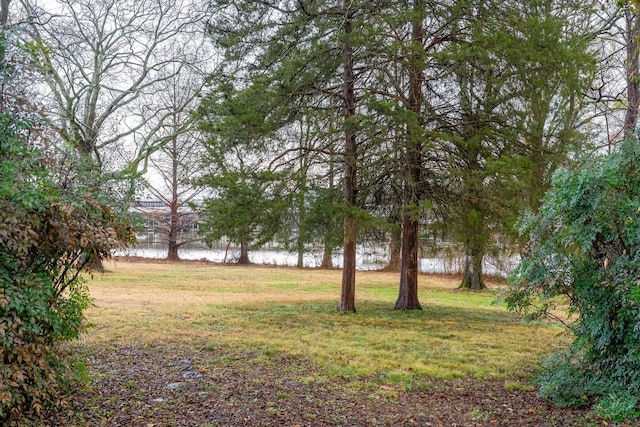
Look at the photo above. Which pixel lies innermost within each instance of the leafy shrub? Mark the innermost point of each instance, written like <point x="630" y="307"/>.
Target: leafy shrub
<point x="54" y="221"/>
<point x="567" y="382"/>
<point x="584" y="253"/>
<point x="618" y="405"/>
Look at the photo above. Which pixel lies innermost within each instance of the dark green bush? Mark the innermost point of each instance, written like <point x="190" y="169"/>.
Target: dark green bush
<point x="584" y="254"/>
<point x="54" y="221"/>
<point x="568" y="381"/>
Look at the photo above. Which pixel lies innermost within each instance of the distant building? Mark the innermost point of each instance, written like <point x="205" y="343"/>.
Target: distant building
<point x="157" y="216"/>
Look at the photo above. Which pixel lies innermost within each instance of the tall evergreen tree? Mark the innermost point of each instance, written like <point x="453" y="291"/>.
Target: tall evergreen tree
<point x="307" y="54"/>
<point x="403" y="43"/>
<point x="518" y="82"/>
<point x="413" y="152"/>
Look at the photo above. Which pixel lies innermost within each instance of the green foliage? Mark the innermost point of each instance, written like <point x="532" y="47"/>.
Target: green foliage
<point x="518" y="80"/>
<point x="54" y="222"/>
<point x="235" y="116"/>
<point x="565" y="380"/>
<point x="247" y="208"/>
<point x="618" y="405"/>
<point x="585" y="253"/>
<point x="323" y="217"/>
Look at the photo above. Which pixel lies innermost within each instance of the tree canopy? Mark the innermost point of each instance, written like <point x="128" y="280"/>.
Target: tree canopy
<point x="457" y="112"/>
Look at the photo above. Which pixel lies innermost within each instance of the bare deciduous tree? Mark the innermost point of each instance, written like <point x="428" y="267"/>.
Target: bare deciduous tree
<point x="104" y="61"/>
<point x="174" y="166"/>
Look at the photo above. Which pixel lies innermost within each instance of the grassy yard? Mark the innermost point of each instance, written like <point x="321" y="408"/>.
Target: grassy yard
<point x="293" y="312"/>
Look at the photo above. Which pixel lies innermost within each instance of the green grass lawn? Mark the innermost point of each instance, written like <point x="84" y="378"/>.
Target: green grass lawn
<point x="270" y="309"/>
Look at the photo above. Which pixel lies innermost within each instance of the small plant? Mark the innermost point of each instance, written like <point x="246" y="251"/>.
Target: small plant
<point x="477" y="415"/>
<point x="618" y="406"/>
<point x="283" y="395"/>
<point x="566" y="382"/>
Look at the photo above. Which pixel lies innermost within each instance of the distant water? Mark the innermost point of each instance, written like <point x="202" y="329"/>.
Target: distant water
<point x="365" y="260"/>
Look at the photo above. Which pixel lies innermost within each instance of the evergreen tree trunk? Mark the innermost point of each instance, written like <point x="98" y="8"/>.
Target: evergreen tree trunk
<point x="348" y="291"/>
<point x="244" y="253"/>
<point x="172" y="253"/>
<point x="300" y="200"/>
<point x="408" y="292"/>
<point x="472" y="275"/>
<point x="327" y="261"/>
<point x="395" y="245"/>
<point x="408" y="289"/>
<point x="633" y="72"/>
<point x="299" y="241"/>
<point x="300" y="247"/>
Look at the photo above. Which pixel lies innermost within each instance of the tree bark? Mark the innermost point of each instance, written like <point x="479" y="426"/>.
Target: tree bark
<point x="244" y="253"/>
<point x="299" y="241"/>
<point x="300" y="261"/>
<point x="408" y="292"/>
<point x="408" y="289"/>
<point x="4" y="17"/>
<point x="172" y="253"/>
<point x="327" y="261"/>
<point x="174" y="217"/>
<point x="395" y="245"/>
<point x="348" y="291"/>
<point x="633" y="73"/>
<point x="472" y="275"/>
